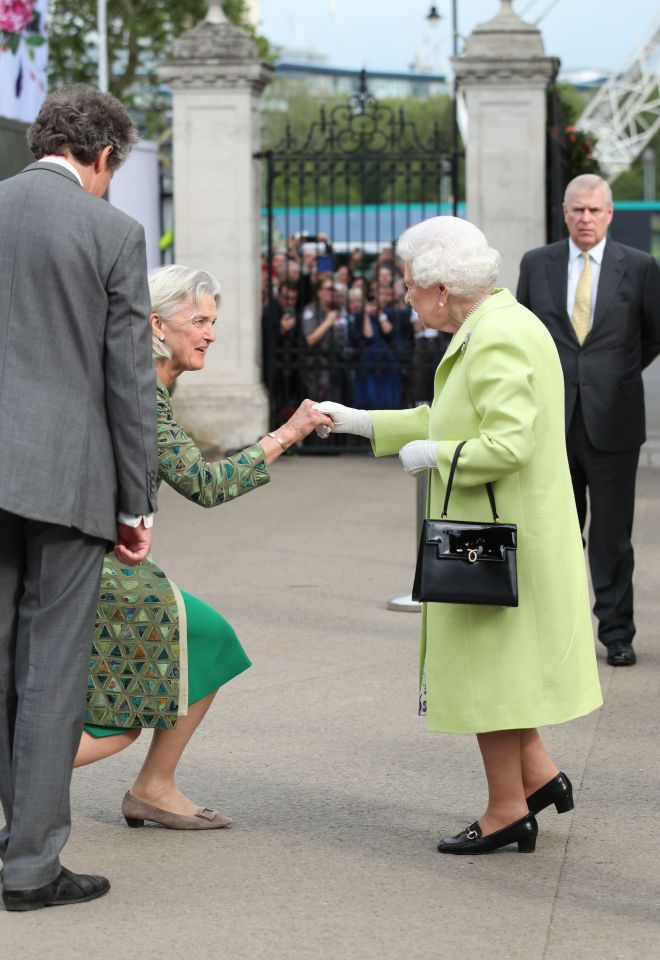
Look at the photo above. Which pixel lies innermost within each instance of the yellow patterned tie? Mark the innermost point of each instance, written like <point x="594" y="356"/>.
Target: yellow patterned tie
<point x="581" y="318"/>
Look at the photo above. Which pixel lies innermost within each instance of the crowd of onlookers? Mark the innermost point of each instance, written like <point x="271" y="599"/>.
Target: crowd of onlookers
<point x="337" y="326"/>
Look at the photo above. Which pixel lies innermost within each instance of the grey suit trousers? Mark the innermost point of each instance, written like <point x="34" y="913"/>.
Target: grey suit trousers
<point x="49" y="577"/>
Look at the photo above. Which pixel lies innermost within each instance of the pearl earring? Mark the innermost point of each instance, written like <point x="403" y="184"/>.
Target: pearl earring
<point x="162" y="339"/>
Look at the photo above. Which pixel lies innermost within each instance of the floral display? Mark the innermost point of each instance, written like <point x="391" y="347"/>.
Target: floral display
<point x="23" y="57"/>
<point x="17" y="16"/>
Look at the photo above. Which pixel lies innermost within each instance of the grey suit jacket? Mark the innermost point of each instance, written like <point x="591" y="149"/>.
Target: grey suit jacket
<point x="77" y="385"/>
<point x="606" y="371"/>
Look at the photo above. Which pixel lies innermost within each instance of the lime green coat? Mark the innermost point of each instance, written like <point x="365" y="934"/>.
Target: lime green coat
<point x="500" y="387"/>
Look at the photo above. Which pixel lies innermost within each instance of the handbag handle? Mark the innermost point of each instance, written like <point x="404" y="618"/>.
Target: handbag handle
<point x="452" y="470"/>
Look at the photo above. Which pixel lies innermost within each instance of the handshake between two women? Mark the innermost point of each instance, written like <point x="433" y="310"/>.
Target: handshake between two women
<point x="416" y="456"/>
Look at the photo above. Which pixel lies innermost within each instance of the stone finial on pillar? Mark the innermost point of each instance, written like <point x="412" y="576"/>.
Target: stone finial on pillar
<point x="504" y="75"/>
<point x="217" y="80"/>
<point x="215" y="13"/>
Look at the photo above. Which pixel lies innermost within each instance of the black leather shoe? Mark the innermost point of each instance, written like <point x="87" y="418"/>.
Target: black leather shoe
<point x="469" y="841"/>
<point x="67" y="888"/>
<point x="559" y="791"/>
<point x="620" y="653"/>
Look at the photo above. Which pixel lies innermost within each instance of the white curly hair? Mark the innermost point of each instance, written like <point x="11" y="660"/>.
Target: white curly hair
<point x="450" y="251"/>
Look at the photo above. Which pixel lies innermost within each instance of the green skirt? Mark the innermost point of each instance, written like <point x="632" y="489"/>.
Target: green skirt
<point x="215" y="655"/>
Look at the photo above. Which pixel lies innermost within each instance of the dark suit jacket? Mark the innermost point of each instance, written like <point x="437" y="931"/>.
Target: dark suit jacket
<point x="77" y="385"/>
<point x="606" y="371"/>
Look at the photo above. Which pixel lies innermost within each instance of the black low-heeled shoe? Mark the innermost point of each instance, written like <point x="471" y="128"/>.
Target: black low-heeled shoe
<point x="620" y="653"/>
<point x="66" y="888"/>
<point x="470" y="841"/>
<point x="559" y="791"/>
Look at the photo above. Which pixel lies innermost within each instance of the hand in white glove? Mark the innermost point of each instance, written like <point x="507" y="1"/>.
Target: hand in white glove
<point x="347" y="419"/>
<point x="418" y="456"/>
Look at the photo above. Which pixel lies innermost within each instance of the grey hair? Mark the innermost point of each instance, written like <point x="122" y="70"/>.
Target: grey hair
<point x="450" y="251"/>
<point x="585" y="183"/>
<point x="169" y="287"/>
<point x="83" y="120"/>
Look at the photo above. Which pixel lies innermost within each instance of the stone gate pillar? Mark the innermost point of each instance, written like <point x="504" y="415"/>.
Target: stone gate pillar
<point x="504" y="75"/>
<point x="217" y="80"/>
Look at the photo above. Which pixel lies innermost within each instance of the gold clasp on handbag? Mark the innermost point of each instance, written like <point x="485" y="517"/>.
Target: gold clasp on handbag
<point x="473" y="555"/>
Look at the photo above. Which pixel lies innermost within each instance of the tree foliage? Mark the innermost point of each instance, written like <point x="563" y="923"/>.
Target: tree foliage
<point x="140" y="35"/>
<point x="577" y="147"/>
<point x="629" y="185"/>
<point x="573" y="102"/>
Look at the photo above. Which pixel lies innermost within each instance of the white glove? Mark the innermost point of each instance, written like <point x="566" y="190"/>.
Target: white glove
<point x="347" y="419"/>
<point x="418" y="456"/>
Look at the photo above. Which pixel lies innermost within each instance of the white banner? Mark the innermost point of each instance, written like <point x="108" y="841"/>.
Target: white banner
<point x="23" y="57"/>
<point x="135" y="189"/>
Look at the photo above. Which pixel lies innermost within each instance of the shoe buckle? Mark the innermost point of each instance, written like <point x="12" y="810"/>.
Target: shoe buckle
<point x="471" y="834"/>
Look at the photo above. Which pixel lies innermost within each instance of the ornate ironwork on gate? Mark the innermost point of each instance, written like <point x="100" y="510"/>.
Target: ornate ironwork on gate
<point x="353" y="182"/>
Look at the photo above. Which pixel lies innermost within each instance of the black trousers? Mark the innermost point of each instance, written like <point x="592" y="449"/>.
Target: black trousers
<point x="610" y="479"/>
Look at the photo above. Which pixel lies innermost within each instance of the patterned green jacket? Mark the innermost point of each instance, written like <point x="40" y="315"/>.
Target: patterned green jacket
<point x="138" y="666"/>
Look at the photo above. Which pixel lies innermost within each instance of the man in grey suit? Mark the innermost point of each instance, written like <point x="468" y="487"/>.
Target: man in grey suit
<point x="77" y="462"/>
<point x="600" y="300"/>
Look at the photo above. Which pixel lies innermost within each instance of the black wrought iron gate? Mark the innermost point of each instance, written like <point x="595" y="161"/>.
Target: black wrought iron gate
<point x="558" y="166"/>
<point x="355" y="181"/>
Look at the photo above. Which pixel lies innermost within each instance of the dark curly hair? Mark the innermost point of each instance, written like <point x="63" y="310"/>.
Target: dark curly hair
<point x="82" y="120"/>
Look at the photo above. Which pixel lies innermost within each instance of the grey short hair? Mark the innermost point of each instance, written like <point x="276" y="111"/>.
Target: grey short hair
<point x="450" y="251"/>
<point x="170" y="286"/>
<point x="585" y="183"/>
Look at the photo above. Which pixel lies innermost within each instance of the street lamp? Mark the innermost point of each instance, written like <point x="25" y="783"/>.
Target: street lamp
<point x="102" y="30"/>
<point x="433" y="18"/>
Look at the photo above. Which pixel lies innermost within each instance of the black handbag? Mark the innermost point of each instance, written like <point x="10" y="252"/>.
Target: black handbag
<point x="461" y="561"/>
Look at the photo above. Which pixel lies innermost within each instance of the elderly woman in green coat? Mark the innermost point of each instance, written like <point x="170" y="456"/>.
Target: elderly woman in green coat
<point x="160" y="654"/>
<point x="498" y="672"/>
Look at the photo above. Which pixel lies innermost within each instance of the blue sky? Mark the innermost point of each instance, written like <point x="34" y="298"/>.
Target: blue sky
<point x="389" y="34"/>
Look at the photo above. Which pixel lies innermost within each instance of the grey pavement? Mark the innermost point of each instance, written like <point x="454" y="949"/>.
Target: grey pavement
<point x="650" y="455"/>
<point x="338" y="792"/>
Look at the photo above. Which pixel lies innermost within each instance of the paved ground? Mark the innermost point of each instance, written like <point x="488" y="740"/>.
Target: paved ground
<point x="338" y="792"/>
<point x="651" y="451"/>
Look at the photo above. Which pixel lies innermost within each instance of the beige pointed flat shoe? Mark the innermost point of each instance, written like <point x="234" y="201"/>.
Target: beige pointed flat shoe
<point x="136" y="811"/>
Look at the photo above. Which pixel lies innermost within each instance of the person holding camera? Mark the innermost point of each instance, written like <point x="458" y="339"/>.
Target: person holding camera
<point x="377" y="381"/>
<point x="325" y="331"/>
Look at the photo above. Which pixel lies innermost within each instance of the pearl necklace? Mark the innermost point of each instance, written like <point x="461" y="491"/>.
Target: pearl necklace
<point x="475" y="306"/>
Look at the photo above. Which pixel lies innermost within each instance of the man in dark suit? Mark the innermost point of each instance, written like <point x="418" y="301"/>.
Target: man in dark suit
<point x="600" y="300"/>
<point x="77" y="462"/>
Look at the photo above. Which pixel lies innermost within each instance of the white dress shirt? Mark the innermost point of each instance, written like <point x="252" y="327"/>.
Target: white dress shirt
<point x="575" y="267"/>
<point x="62" y="162"/>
